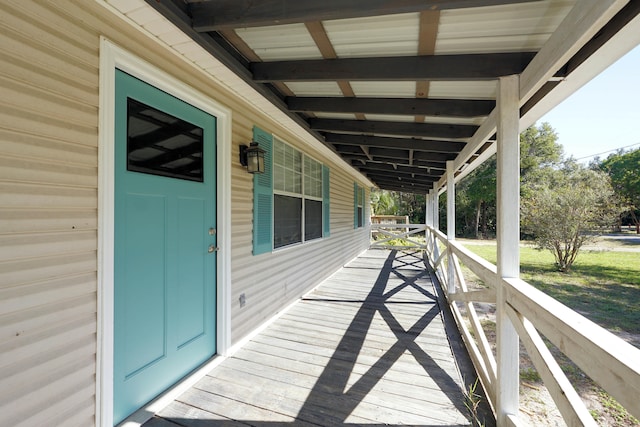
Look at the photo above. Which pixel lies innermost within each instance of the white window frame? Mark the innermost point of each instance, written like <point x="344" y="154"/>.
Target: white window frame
<point x="302" y="196"/>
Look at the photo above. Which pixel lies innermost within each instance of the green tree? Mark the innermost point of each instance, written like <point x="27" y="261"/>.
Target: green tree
<point x="624" y="170"/>
<point x="539" y="148"/>
<point x="475" y="202"/>
<point x="565" y="208"/>
<point x="413" y="205"/>
<point x="383" y="203"/>
<point x="476" y="194"/>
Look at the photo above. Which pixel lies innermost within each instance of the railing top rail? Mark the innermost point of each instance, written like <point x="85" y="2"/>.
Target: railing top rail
<point x="606" y="358"/>
<point x="439" y="234"/>
<point x="375" y="226"/>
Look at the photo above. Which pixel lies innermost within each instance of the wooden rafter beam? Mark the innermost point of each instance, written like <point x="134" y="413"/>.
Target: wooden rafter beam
<point x="403" y="187"/>
<point x="428" y="34"/>
<point x="399" y="179"/>
<point x="388" y="142"/>
<point x="420" y="156"/>
<point x="388" y="154"/>
<point x="487" y="66"/>
<point x="393" y="156"/>
<point x="221" y="14"/>
<point x="428" y="130"/>
<point x="401" y="169"/>
<point x="390" y="175"/>
<point x="321" y="39"/>
<point x="401" y="106"/>
<point x="359" y="161"/>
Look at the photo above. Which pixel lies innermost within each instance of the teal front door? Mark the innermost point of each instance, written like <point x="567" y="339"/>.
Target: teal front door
<point x="165" y="242"/>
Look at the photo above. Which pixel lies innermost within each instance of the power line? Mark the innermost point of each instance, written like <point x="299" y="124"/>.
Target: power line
<point x="609" y="151"/>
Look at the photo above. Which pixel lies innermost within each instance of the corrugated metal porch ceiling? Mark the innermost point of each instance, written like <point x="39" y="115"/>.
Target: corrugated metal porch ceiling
<point x="396" y="88"/>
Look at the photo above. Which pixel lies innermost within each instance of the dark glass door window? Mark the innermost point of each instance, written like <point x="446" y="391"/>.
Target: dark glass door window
<point x="161" y="144"/>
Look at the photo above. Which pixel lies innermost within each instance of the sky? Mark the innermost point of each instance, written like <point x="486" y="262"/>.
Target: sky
<point x="604" y="114"/>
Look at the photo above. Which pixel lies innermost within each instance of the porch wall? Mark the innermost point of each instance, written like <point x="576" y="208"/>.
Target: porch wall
<point x="49" y="78"/>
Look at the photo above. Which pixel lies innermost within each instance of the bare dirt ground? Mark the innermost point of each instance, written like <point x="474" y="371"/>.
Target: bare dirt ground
<point x="537" y="407"/>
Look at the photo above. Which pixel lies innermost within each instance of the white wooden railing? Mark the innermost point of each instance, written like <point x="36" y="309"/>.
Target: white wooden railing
<point x="607" y="359"/>
<point x="398" y="236"/>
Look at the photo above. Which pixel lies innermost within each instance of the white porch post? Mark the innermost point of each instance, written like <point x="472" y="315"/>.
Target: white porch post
<point x="436" y="207"/>
<point x="451" y="225"/>
<point x="428" y="210"/>
<point x="508" y="222"/>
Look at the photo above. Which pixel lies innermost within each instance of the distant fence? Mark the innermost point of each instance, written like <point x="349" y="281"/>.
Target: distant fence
<point x="397" y="235"/>
<point x="389" y="219"/>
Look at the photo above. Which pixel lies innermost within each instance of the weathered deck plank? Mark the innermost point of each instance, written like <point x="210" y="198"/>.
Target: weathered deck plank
<point x="367" y="347"/>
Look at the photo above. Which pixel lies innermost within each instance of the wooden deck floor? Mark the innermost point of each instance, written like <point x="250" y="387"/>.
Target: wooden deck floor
<point x="367" y="347"/>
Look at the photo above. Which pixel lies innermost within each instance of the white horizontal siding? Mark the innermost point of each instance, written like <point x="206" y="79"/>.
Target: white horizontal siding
<point x="271" y="281"/>
<point x="49" y="101"/>
<point x="48" y="216"/>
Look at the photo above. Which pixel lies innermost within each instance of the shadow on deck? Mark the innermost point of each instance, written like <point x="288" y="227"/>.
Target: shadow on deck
<point x="368" y="347"/>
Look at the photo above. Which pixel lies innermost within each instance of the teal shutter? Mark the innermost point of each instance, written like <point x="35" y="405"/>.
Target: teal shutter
<point x="263" y="196"/>
<point x="362" y="212"/>
<point x="355" y="205"/>
<point x="326" y="225"/>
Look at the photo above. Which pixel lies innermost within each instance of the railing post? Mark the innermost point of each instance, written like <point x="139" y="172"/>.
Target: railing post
<point x="451" y="226"/>
<point x="436" y="207"/>
<point x="508" y="237"/>
<point x="429" y="209"/>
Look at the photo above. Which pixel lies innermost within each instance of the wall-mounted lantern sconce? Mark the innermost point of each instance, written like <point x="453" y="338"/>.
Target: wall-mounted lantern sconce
<point x="252" y="157"/>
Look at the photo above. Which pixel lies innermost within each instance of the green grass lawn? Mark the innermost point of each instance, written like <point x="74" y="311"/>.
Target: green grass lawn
<point x="603" y="286"/>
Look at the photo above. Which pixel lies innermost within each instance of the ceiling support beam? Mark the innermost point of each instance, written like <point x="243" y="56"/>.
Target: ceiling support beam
<point x="428" y="130"/>
<point x="224" y="14"/>
<point x="359" y="161"/>
<point x="488" y="66"/>
<point x="400" y="143"/>
<point x="428" y="33"/>
<point x="399" y="106"/>
<point x="321" y="39"/>
<point x="390" y="175"/>
<point x="403" y="169"/>
<point x="404" y="187"/>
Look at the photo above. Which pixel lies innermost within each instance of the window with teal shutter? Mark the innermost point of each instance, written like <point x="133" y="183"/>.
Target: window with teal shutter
<point x="358" y="206"/>
<point x="290" y="199"/>
<point x="326" y="190"/>
<point x="263" y="196"/>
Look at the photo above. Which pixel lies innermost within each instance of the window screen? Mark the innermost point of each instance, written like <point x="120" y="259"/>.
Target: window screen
<point x="312" y="219"/>
<point x="287" y="217"/>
